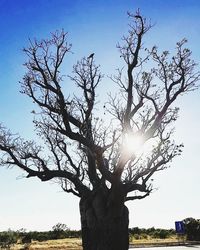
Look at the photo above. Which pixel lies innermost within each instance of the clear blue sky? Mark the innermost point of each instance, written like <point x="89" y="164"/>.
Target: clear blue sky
<point x="95" y="26"/>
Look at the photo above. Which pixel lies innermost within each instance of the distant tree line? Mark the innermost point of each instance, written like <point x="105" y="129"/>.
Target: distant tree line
<point x="158" y="233"/>
<point x="191" y="225"/>
<point x="61" y="231"/>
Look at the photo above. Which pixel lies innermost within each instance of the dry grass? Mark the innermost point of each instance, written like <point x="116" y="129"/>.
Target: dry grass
<point x="153" y="241"/>
<point x="70" y="244"/>
<point x="75" y="244"/>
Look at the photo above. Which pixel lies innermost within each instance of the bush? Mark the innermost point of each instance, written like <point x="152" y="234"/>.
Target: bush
<point x="192" y="229"/>
<point x="26" y="238"/>
<point x="60" y="231"/>
<point x="7" y="239"/>
<point x="144" y="236"/>
<point x="163" y="234"/>
<point x="137" y="236"/>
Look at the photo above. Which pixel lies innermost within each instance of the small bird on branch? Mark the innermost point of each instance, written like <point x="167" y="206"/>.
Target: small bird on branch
<point x="91" y="56"/>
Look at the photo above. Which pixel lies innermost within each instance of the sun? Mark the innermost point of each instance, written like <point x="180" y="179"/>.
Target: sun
<point x="133" y="143"/>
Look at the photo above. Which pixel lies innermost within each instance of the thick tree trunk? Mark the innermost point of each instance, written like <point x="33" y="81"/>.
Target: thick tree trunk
<point x="104" y="222"/>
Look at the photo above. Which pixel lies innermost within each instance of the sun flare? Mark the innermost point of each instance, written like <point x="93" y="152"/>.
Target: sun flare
<point x="133" y="144"/>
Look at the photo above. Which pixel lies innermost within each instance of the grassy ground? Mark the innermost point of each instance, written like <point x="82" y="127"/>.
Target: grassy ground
<point x="157" y="242"/>
<point x="69" y="244"/>
<point x="75" y="244"/>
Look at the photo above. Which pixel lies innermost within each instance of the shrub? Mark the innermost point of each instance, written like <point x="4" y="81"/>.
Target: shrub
<point x="192" y="228"/>
<point x="144" y="236"/>
<point x="137" y="236"/>
<point x="7" y="239"/>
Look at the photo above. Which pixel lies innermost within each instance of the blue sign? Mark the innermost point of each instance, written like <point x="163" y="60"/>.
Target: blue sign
<point x="180" y="229"/>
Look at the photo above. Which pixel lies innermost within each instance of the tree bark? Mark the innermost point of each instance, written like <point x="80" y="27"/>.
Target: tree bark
<point x="104" y="222"/>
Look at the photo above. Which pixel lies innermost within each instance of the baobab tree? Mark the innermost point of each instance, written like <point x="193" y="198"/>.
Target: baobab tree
<point x="103" y="164"/>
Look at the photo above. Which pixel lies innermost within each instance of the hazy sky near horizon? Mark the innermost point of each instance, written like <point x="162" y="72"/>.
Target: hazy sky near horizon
<point x="95" y="26"/>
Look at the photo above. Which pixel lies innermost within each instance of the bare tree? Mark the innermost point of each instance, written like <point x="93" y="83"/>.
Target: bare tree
<point x="104" y="166"/>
